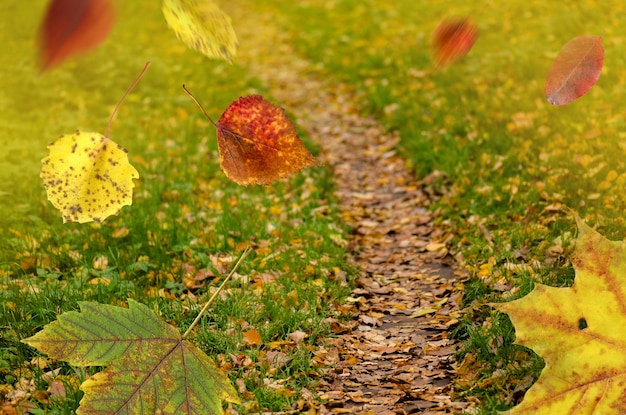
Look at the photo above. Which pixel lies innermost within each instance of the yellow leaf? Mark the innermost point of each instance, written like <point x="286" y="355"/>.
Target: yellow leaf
<point x="580" y="332"/>
<point x="87" y="177"/>
<point x="252" y="338"/>
<point x="203" y="26"/>
<point x="423" y="312"/>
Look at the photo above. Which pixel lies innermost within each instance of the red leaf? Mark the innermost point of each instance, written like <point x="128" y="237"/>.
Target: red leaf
<point x="258" y="144"/>
<point x="73" y="26"/>
<point x="575" y="70"/>
<point x="453" y="39"/>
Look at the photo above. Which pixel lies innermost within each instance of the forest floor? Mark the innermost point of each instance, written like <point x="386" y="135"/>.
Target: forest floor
<point x="396" y="356"/>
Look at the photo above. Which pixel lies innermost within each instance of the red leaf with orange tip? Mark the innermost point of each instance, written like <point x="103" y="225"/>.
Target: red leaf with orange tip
<point x="73" y="26"/>
<point x="575" y="70"/>
<point x="258" y="144"/>
<point x="453" y="39"/>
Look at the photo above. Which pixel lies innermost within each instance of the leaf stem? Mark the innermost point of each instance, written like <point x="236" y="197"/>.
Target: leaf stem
<point x="199" y="106"/>
<point x="130" y="88"/>
<point x="206" y="306"/>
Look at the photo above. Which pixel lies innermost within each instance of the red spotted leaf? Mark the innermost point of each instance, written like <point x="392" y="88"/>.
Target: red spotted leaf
<point x="258" y="144"/>
<point x="453" y="39"/>
<point x="575" y="70"/>
<point x="71" y="27"/>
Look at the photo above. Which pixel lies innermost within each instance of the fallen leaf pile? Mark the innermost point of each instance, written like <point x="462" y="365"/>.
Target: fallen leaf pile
<point x="398" y="356"/>
<point x="20" y="398"/>
<point x="395" y="355"/>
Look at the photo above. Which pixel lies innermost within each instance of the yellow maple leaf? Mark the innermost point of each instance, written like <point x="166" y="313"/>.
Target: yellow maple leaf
<point x="579" y="331"/>
<point x="203" y="26"/>
<point x="87" y="177"/>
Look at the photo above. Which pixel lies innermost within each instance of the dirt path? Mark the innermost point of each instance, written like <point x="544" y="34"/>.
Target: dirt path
<point x="396" y="357"/>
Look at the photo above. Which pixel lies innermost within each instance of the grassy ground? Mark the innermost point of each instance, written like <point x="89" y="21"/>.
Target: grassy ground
<point x="186" y="226"/>
<point x="508" y="161"/>
<point x="509" y="164"/>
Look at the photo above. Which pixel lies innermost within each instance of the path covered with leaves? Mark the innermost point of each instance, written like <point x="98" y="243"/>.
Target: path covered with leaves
<point x="396" y="355"/>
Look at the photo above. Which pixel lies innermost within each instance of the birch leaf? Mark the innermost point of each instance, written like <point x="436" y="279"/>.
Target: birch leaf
<point x="258" y="144"/>
<point x="87" y="177"/>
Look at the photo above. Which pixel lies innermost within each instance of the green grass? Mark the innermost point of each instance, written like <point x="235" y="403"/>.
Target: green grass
<point x="187" y="218"/>
<point x="508" y="163"/>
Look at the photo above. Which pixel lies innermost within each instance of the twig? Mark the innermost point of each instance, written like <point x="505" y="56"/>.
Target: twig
<point x="130" y="88"/>
<point x="206" y="306"/>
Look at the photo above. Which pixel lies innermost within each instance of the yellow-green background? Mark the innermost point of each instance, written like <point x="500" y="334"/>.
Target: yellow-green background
<point x="36" y="108"/>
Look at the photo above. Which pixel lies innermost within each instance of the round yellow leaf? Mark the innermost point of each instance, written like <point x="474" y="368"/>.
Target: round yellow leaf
<point x="87" y="177"/>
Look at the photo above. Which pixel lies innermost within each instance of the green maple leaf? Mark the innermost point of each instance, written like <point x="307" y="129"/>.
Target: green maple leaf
<point x="579" y="331"/>
<point x="150" y="368"/>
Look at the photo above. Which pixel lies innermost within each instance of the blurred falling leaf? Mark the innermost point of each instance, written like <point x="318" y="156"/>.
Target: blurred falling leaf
<point x="575" y="70"/>
<point x="73" y="26"/>
<point x="150" y="368"/>
<point x="203" y="26"/>
<point x="258" y="144"/>
<point x="453" y="39"/>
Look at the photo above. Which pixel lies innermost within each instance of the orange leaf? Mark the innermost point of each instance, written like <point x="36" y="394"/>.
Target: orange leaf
<point x="258" y="144"/>
<point x="73" y="26"/>
<point x="252" y="338"/>
<point x="453" y="39"/>
<point x="575" y="70"/>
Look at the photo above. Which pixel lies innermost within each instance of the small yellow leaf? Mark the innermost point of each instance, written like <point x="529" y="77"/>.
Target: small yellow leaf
<point x="87" y="177"/>
<point x="421" y="313"/>
<point x="120" y="232"/>
<point x="436" y="247"/>
<point x="252" y="338"/>
<point x="100" y="262"/>
<point x="203" y="26"/>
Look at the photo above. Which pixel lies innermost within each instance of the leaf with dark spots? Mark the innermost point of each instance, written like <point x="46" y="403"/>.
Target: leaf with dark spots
<point x="81" y="172"/>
